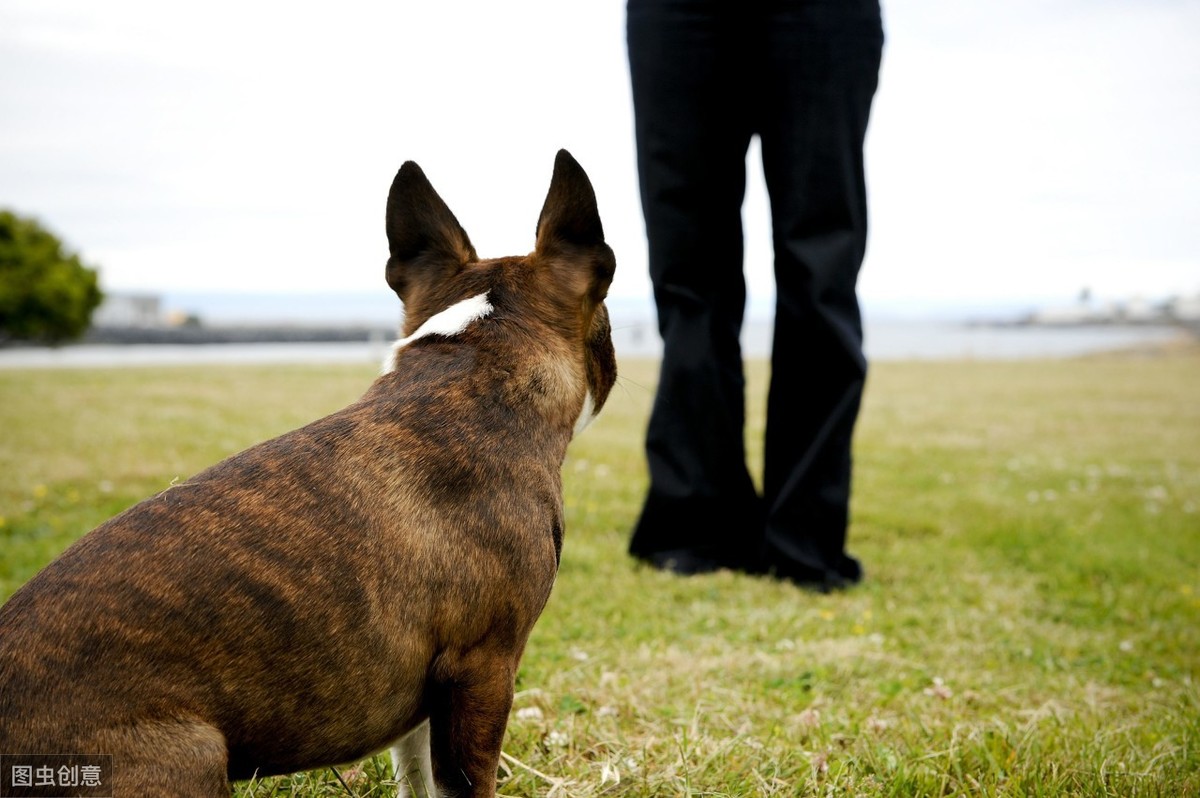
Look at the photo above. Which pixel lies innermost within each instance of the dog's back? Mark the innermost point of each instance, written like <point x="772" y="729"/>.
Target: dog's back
<point x="316" y="597"/>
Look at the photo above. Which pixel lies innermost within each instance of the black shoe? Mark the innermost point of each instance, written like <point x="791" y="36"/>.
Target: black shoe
<point x="845" y="573"/>
<point x="850" y="569"/>
<point x="684" y="562"/>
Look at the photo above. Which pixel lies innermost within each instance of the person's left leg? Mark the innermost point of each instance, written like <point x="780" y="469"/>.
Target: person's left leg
<point x="819" y="77"/>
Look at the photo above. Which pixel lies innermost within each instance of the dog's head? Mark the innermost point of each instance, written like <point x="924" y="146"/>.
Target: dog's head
<point x="543" y="314"/>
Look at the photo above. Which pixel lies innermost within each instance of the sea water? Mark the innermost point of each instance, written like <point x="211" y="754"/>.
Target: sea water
<point x="638" y="337"/>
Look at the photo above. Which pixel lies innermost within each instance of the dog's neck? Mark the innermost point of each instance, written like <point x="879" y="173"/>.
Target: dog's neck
<point x="456" y="319"/>
<point x="449" y="322"/>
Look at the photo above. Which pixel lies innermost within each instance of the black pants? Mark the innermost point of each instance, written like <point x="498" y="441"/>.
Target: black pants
<point x="708" y="75"/>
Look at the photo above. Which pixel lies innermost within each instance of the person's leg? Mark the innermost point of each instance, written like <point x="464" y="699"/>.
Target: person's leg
<point x="692" y="131"/>
<point x="819" y="77"/>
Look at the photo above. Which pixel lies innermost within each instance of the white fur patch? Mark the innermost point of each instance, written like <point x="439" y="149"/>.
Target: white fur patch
<point x="587" y="414"/>
<point x="451" y="321"/>
<point x="412" y="764"/>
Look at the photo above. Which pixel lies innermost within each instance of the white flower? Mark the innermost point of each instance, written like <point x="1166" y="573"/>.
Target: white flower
<point x="877" y="724"/>
<point x="529" y="713"/>
<point x="938" y="689"/>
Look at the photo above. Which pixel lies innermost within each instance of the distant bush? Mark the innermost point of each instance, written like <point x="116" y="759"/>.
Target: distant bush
<point x="46" y="293"/>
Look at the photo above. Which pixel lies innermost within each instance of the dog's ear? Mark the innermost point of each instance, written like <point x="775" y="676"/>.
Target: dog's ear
<point x="569" y="234"/>
<point x="426" y="242"/>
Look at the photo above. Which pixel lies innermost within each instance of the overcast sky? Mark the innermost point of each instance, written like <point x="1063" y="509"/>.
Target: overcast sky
<point x="1018" y="150"/>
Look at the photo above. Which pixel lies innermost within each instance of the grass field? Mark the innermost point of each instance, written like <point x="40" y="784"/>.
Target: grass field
<point x="1029" y="625"/>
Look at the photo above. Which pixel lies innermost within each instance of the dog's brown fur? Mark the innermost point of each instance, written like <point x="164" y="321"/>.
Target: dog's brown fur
<point x="313" y="599"/>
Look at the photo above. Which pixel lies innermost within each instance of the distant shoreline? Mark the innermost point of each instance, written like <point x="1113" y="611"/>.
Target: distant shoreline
<point x="238" y="334"/>
<point x="884" y="341"/>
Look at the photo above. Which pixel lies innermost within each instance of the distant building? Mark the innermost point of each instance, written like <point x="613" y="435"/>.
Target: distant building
<point x="129" y="310"/>
<point x="1137" y="310"/>
<point x="1140" y="310"/>
<point x="1083" y="311"/>
<point x="1185" y="309"/>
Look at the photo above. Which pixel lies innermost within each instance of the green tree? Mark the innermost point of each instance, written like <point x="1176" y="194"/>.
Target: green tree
<point x="46" y="293"/>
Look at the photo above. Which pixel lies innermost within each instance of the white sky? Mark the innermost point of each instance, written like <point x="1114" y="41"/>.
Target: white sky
<point x="1019" y="149"/>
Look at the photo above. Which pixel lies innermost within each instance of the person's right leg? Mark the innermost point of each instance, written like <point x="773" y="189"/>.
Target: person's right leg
<point x="693" y="128"/>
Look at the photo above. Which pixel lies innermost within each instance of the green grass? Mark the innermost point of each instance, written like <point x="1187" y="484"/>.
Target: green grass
<point x="1029" y="626"/>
